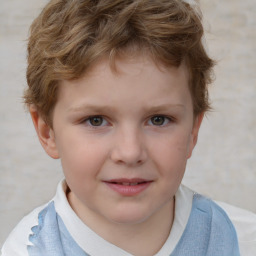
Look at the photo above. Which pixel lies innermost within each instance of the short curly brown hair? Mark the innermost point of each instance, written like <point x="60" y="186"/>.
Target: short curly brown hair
<point x="70" y="36"/>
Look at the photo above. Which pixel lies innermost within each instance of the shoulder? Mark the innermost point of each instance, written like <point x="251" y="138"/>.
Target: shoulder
<point x="216" y="225"/>
<point x="204" y="206"/>
<point x="245" y="225"/>
<point x="243" y="221"/>
<point x="18" y="240"/>
<point x="219" y="218"/>
<point x="208" y="230"/>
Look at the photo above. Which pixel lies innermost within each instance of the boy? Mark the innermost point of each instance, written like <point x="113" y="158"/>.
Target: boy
<point x="117" y="91"/>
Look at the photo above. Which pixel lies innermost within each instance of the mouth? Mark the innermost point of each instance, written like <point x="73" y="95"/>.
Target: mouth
<point x="128" y="187"/>
<point x="129" y="182"/>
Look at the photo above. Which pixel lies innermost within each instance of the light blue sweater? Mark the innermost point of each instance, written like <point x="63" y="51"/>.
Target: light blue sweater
<point x="209" y="232"/>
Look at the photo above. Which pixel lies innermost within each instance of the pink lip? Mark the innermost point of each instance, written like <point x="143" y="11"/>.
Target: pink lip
<point x="128" y="187"/>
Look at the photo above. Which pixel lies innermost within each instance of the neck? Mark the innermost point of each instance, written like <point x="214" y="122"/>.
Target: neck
<point x="144" y="238"/>
<point x="148" y="237"/>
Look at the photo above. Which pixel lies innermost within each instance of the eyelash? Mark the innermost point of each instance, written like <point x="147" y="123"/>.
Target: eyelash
<point x="165" y="121"/>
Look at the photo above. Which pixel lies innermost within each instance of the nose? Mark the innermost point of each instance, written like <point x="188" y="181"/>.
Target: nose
<point x="129" y="147"/>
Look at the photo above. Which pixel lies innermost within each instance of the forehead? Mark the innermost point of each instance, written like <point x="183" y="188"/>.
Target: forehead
<point x="131" y="63"/>
<point x="130" y="79"/>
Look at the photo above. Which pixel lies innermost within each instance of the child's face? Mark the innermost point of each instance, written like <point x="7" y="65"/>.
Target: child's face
<point x="124" y="139"/>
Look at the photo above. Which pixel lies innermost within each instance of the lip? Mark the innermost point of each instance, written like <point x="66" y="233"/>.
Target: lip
<point x="128" y="187"/>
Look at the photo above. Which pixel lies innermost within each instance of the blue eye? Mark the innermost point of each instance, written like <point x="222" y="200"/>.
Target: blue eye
<point x="159" y="120"/>
<point x="96" y="121"/>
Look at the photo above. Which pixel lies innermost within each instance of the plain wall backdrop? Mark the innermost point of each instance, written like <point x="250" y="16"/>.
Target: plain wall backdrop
<point x="223" y="165"/>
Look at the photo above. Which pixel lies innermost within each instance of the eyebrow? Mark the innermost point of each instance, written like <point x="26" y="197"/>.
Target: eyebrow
<point x="100" y="108"/>
<point x="90" y="107"/>
<point x="161" y="107"/>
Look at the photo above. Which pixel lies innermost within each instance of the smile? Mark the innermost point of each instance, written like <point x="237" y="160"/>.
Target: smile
<point x="127" y="187"/>
<point x="129" y="183"/>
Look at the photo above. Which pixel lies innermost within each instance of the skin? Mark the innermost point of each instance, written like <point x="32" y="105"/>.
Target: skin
<point x="143" y="130"/>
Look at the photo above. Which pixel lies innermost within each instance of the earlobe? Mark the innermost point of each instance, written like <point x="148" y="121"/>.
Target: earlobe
<point x="194" y="133"/>
<point x="44" y="132"/>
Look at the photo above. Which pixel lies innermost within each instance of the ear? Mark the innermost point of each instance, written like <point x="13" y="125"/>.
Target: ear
<point x="194" y="134"/>
<point x="44" y="132"/>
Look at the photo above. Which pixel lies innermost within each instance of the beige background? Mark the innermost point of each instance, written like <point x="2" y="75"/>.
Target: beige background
<point x="223" y="165"/>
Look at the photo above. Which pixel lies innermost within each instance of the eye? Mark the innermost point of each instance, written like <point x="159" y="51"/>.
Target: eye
<point x="159" y="120"/>
<point x="96" y="121"/>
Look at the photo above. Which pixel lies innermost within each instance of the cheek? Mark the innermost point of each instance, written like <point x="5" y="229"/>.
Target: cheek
<point x="81" y="158"/>
<point x="81" y="166"/>
<point x="171" y="154"/>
